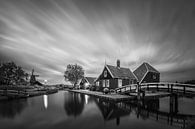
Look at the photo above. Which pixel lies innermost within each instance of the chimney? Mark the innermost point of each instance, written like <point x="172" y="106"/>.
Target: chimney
<point x="118" y="63"/>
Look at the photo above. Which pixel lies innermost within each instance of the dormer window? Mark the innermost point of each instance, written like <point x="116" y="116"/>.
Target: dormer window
<point x="105" y="73"/>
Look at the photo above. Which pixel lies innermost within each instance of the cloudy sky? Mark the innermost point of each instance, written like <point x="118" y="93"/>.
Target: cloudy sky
<point x="47" y="35"/>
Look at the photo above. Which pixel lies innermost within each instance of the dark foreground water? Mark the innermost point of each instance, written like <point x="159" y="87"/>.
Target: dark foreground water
<point x="70" y="111"/>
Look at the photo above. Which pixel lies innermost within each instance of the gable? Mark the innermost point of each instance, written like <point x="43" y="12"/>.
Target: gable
<point x="143" y="69"/>
<point x="102" y="75"/>
<point x="140" y="72"/>
<point x="150" y="68"/>
<point x="90" y="79"/>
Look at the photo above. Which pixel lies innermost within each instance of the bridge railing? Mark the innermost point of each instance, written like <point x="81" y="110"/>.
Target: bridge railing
<point x="126" y="88"/>
<point x="169" y="87"/>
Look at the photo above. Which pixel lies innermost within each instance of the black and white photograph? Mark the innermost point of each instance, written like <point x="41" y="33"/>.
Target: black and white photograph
<point x="97" y="64"/>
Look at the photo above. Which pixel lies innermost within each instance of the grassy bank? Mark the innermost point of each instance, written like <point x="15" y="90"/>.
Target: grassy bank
<point x="21" y="91"/>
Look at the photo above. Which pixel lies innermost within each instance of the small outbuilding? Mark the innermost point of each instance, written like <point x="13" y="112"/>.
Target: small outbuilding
<point x="86" y="82"/>
<point x="145" y="73"/>
<point x="115" y="76"/>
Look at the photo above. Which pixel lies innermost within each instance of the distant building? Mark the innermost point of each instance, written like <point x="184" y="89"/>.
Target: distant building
<point x="115" y="76"/>
<point x="86" y="82"/>
<point x="145" y="73"/>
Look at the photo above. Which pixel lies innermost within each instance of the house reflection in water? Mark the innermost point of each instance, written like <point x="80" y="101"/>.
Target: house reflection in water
<point x="74" y="104"/>
<point x="111" y="111"/>
<point x="147" y="109"/>
<point x="45" y="101"/>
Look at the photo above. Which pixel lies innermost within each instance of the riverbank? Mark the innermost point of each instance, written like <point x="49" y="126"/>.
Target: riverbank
<point x="16" y="92"/>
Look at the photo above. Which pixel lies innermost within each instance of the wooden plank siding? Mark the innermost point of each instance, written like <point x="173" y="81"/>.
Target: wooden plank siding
<point x="149" y="78"/>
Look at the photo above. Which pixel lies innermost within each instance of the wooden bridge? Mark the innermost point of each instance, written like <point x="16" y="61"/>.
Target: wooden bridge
<point x="165" y="87"/>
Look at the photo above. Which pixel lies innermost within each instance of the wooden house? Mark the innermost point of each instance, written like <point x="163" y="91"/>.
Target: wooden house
<point x="115" y="76"/>
<point x="145" y="73"/>
<point x="86" y="82"/>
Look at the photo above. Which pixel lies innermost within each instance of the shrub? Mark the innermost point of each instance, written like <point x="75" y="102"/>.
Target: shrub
<point x="106" y="90"/>
<point x="92" y="88"/>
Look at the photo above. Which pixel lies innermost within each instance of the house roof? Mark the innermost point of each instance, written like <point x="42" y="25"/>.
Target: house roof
<point x="90" y="79"/>
<point x="143" y="69"/>
<point x="120" y="72"/>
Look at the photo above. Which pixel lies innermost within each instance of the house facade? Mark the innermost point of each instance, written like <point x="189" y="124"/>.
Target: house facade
<point x="145" y="73"/>
<point x="86" y="82"/>
<point x="115" y="76"/>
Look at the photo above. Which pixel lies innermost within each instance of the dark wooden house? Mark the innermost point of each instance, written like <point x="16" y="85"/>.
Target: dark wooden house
<point x="86" y="82"/>
<point x="145" y="73"/>
<point x="115" y="76"/>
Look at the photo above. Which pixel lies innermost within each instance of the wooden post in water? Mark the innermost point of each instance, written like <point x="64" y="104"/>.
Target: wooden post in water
<point x="171" y="88"/>
<point x="184" y="89"/>
<point x="138" y="91"/>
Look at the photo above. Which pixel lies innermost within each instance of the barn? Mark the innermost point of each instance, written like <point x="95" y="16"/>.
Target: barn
<point x="145" y="73"/>
<point x="86" y="82"/>
<point x="115" y="76"/>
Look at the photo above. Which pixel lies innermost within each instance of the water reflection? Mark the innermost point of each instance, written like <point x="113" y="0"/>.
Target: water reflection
<point x="146" y="109"/>
<point x="111" y="111"/>
<point x="45" y="101"/>
<point x="86" y="99"/>
<point x="11" y="108"/>
<point x="150" y="113"/>
<point x="74" y="104"/>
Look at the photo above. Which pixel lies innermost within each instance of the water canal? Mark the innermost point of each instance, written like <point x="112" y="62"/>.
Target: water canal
<point x="73" y="110"/>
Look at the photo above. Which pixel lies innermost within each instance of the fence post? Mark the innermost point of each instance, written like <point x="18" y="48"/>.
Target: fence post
<point x="148" y="87"/>
<point x="157" y="87"/>
<point x="171" y="88"/>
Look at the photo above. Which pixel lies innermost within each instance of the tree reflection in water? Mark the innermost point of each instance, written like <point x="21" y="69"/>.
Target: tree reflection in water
<point x="74" y="104"/>
<point x="10" y="108"/>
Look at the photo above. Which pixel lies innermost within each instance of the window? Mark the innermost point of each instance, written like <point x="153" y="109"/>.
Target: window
<point x="97" y="83"/>
<point x="119" y="82"/>
<point x="107" y="83"/>
<point x="103" y="83"/>
<point x="154" y="76"/>
<point x="131" y="81"/>
<point x="105" y="73"/>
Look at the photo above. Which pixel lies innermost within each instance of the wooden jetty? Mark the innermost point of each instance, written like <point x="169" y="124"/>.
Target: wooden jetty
<point x="146" y="90"/>
<point x="110" y="97"/>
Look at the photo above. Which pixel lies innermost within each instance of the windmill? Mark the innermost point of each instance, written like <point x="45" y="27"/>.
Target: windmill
<point x="33" y="78"/>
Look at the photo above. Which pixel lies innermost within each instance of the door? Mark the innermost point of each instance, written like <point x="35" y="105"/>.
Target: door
<point x="119" y="83"/>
